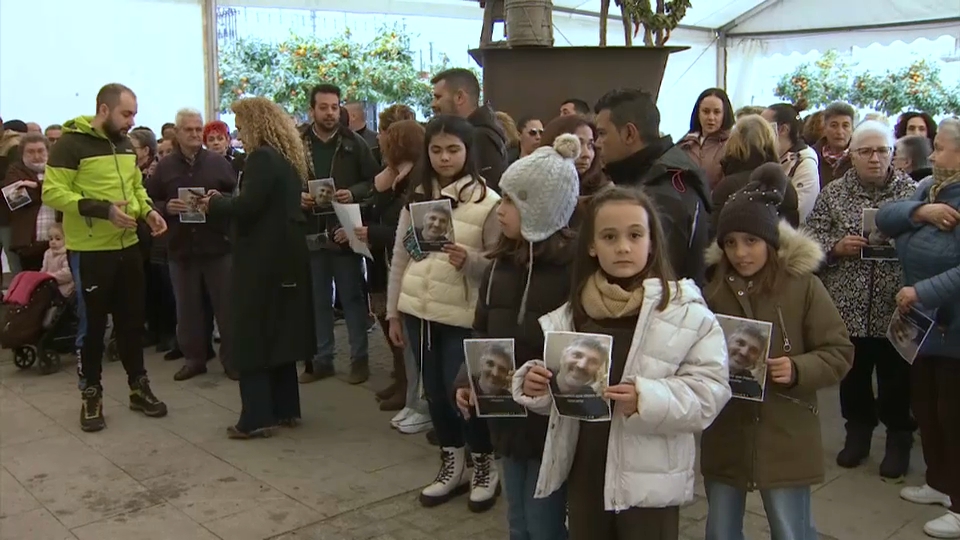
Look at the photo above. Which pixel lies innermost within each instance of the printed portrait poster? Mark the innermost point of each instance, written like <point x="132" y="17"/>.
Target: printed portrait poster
<point x="16" y="196"/>
<point x="322" y="191"/>
<point x="490" y="365"/>
<point x="192" y="197"/>
<point x="748" y="347"/>
<point x="432" y="224"/>
<point x="580" y="364"/>
<point x="879" y="246"/>
<point x="907" y="332"/>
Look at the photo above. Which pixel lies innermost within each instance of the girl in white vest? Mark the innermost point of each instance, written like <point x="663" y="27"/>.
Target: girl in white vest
<point x="431" y="298"/>
<point x="668" y="379"/>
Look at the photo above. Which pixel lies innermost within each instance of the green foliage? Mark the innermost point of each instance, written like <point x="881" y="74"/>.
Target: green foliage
<point x="657" y="25"/>
<point x="818" y="83"/>
<point x="380" y="71"/>
<point x="915" y="87"/>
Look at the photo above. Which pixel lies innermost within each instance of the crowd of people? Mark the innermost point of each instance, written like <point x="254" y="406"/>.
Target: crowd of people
<point x="591" y="222"/>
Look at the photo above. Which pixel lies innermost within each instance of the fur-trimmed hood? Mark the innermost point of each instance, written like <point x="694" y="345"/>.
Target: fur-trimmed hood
<point x="8" y="141"/>
<point x="799" y="252"/>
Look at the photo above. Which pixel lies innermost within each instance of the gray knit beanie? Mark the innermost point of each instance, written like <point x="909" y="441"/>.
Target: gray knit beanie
<point x="544" y="186"/>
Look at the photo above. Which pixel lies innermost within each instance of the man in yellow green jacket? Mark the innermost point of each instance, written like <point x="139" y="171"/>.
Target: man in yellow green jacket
<point x="93" y="178"/>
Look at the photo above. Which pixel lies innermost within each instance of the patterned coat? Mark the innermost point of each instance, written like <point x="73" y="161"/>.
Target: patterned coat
<point x="863" y="290"/>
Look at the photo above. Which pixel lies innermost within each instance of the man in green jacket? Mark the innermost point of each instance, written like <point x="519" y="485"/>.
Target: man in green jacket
<point x="93" y="178"/>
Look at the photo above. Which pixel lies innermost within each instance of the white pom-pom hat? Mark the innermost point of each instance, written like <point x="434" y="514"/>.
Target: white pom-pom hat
<point x="544" y="186"/>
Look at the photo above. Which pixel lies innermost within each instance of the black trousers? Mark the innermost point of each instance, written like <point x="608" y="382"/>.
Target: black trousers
<point x="891" y="405"/>
<point x="936" y="403"/>
<point x="161" y="307"/>
<point x="112" y="282"/>
<point x="268" y="396"/>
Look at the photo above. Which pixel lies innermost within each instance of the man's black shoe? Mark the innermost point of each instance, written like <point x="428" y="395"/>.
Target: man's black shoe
<point x="143" y="400"/>
<point x="91" y="410"/>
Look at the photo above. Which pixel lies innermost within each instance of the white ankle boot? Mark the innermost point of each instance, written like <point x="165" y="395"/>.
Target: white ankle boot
<point x="946" y="526"/>
<point x="485" y="485"/>
<point x="451" y="480"/>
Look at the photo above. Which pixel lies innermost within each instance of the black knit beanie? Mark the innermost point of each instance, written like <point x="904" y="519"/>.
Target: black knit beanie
<point x="754" y="209"/>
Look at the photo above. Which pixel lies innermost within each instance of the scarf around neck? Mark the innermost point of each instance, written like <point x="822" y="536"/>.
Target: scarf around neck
<point x="943" y="177"/>
<point x="604" y="300"/>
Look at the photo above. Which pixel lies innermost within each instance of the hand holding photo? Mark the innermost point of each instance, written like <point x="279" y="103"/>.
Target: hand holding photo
<point x="907" y="332"/>
<point x="580" y="364"/>
<point x="748" y="347"/>
<point x="879" y="246"/>
<point x="192" y="197"/>
<point x="432" y="224"/>
<point x="490" y="365"/>
<point x="350" y="219"/>
<point x="322" y="191"/>
<point x="16" y="196"/>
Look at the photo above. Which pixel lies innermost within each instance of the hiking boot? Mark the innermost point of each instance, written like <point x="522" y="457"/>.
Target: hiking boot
<point x="395" y="402"/>
<point x="485" y="484"/>
<point x="188" y="372"/>
<point x="856" y="448"/>
<point x="450" y="481"/>
<point x="91" y="409"/>
<point x="896" y="459"/>
<point x="143" y="400"/>
<point x="359" y="373"/>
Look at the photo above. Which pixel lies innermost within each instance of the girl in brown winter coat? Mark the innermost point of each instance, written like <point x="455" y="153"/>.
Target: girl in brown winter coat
<point x="763" y="269"/>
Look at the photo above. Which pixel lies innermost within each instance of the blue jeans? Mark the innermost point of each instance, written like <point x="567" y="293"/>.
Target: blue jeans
<point x="439" y="350"/>
<point x="529" y="518"/>
<point x="346" y="269"/>
<point x="74" y="262"/>
<point x="788" y="512"/>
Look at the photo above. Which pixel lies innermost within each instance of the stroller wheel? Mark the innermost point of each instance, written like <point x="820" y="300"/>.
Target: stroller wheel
<point x="111" y="353"/>
<point x="49" y="362"/>
<point x="25" y="357"/>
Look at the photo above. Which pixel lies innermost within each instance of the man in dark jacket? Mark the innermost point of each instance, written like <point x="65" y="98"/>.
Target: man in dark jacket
<point x="628" y="134"/>
<point x="335" y="152"/>
<point x="456" y="91"/>
<point x="198" y="248"/>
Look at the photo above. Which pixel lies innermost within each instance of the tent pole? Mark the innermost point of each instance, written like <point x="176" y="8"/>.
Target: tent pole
<point x="210" y="60"/>
<point x="722" y="59"/>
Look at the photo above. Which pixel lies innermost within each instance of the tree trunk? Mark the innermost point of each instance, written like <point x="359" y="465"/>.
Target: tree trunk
<point x="627" y="34"/>
<point x="604" y="14"/>
<point x="661" y="9"/>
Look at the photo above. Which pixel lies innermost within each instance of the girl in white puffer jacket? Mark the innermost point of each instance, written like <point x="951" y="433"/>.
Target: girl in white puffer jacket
<point x="668" y="372"/>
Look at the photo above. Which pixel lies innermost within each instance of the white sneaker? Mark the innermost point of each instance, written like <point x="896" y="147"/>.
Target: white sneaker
<point x="485" y="484"/>
<point x="415" y="423"/>
<point x="946" y="526"/>
<point x="450" y="481"/>
<point x="925" y="495"/>
<point x="400" y="417"/>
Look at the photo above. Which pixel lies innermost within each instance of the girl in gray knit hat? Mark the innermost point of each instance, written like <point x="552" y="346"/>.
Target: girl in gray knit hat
<point x="529" y="277"/>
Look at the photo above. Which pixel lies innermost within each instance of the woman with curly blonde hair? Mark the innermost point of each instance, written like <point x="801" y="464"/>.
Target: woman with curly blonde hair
<point x="270" y="293"/>
<point x="752" y="143"/>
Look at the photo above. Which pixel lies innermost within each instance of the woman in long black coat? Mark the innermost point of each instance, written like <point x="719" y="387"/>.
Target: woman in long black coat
<point x="270" y="289"/>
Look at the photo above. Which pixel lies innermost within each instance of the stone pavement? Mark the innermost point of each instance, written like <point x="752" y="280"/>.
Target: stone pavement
<point x="343" y="475"/>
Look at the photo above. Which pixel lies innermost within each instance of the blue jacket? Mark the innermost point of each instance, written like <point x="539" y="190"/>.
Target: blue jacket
<point x="931" y="264"/>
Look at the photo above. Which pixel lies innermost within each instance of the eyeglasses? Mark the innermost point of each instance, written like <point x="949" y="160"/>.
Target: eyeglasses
<point x="881" y="151"/>
<point x="534" y="132"/>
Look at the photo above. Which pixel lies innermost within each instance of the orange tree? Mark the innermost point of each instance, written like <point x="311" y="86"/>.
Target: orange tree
<point x="819" y="83"/>
<point x="917" y="87"/>
<point x="380" y="71"/>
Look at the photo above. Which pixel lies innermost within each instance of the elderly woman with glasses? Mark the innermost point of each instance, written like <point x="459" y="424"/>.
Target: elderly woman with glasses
<point x="863" y="276"/>
<point x="928" y="244"/>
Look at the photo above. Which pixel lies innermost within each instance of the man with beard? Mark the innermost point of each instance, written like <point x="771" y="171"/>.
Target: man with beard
<point x="29" y="224"/>
<point x="336" y="152"/>
<point x="456" y="91"/>
<point x="628" y="136"/>
<point x="580" y="380"/>
<point x="93" y="178"/>
<point x="746" y="347"/>
<point x="493" y="381"/>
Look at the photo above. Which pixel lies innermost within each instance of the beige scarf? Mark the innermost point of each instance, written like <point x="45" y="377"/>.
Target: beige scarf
<point x="604" y="300"/>
<point x="942" y="178"/>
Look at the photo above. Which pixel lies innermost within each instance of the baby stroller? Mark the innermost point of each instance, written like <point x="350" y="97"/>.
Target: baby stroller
<point x="39" y="324"/>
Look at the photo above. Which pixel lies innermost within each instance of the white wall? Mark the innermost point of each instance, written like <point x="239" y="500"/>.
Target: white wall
<point x="457" y="31"/>
<point x="56" y="54"/>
